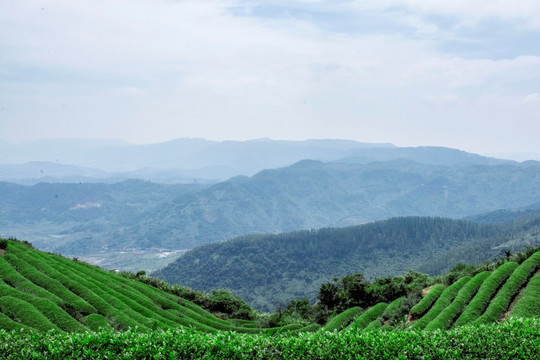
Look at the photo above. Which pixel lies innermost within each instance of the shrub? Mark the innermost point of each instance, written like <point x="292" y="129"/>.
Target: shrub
<point x="224" y="301"/>
<point x="38" y="272"/>
<point x="6" y="323"/>
<point x="427" y="301"/>
<point x="450" y="313"/>
<point x="374" y="325"/>
<point x="25" y="313"/>
<point x="27" y="243"/>
<point x="343" y="320"/>
<point x="529" y="304"/>
<point x="308" y="329"/>
<point x="74" y="284"/>
<point x="460" y="270"/>
<point x="489" y="287"/>
<point x="3" y="244"/>
<point x="395" y="311"/>
<point x="10" y="276"/>
<point x="46" y="307"/>
<point x="442" y="302"/>
<point x="368" y="316"/>
<point x="244" y="323"/>
<point x="499" y="304"/>
<point x="516" y="339"/>
<point x="96" y="321"/>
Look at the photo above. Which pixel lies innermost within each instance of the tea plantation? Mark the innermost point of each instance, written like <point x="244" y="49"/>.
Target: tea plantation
<point x="54" y="307"/>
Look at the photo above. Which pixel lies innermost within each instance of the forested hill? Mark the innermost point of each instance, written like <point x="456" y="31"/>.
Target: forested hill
<point x="505" y="215"/>
<point x="269" y="270"/>
<point x="312" y="194"/>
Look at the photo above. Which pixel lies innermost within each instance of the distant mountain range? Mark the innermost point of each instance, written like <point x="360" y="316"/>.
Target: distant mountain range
<point x="176" y="161"/>
<point x="356" y="183"/>
<point x="195" y="160"/>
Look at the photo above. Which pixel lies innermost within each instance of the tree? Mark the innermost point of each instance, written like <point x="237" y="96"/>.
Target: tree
<point x="299" y="309"/>
<point x="226" y="302"/>
<point x="355" y="290"/>
<point x="328" y="295"/>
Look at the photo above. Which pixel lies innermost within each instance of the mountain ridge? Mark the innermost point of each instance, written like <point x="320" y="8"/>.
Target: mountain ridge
<point x="184" y="159"/>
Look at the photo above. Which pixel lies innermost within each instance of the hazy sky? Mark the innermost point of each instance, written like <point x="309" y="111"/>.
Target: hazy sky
<point x="459" y="73"/>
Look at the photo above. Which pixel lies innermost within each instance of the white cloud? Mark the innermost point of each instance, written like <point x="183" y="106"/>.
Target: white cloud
<point x="469" y="12"/>
<point x="532" y="98"/>
<point x="457" y="72"/>
<point x="192" y="68"/>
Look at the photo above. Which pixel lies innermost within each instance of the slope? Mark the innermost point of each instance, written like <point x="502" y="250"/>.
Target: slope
<point x="256" y="266"/>
<point x="40" y="291"/>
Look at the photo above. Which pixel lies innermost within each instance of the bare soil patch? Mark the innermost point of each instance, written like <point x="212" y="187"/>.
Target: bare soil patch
<point x="427" y="290"/>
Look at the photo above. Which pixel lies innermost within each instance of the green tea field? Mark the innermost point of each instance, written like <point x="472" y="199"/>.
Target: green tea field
<point x="54" y="307"/>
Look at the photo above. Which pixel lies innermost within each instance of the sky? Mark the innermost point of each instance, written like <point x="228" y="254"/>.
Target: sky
<point x="461" y="73"/>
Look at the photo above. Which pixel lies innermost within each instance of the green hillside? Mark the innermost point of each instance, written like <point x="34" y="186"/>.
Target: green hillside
<point x="43" y="291"/>
<point x="487" y="297"/>
<point x="255" y="267"/>
<point x="55" y="307"/>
